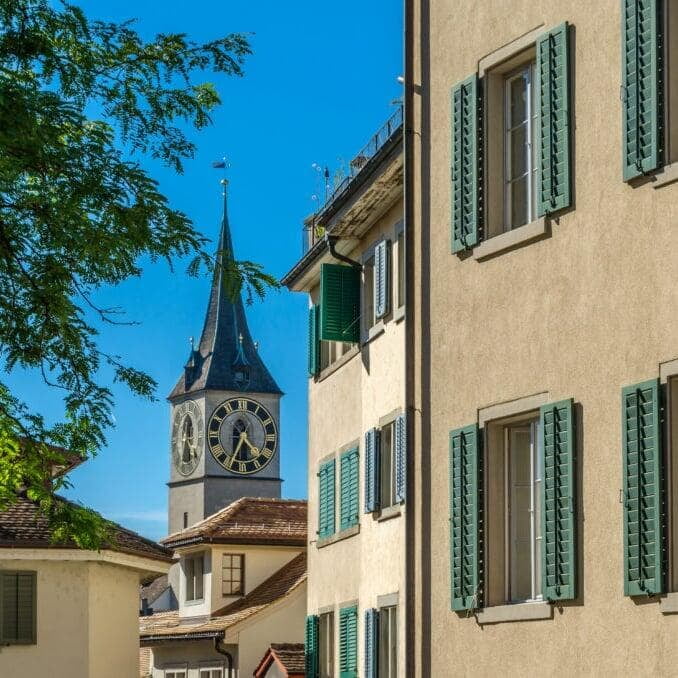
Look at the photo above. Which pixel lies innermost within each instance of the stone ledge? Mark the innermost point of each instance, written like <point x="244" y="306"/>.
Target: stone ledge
<point x="338" y="536"/>
<point x="513" y="613"/>
<point x="511" y="239"/>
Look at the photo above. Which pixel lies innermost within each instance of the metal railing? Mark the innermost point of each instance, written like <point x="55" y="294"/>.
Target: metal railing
<point x="385" y="133"/>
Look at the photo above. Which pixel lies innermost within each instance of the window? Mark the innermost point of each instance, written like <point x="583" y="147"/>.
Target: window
<point x="387" y="482"/>
<point x="400" y="247"/>
<point x="326" y="645"/>
<point x="194" y="567"/>
<point x="176" y="673"/>
<point x="233" y="574"/>
<point x="520" y="171"/>
<point x="369" y="317"/>
<point x="332" y="351"/>
<point x="211" y="672"/>
<point x="185" y="519"/>
<point x="388" y="642"/>
<point x="523" y="469"/>
<point x="18" y="607"/>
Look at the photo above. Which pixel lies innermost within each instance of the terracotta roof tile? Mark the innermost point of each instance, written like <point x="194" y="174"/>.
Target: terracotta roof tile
<point x="154" y="589"/>
<point x="23" y="525"/>
<point x="250" y="520"/>
<point x="291" y="656"/>
<point x="168" y="625"/>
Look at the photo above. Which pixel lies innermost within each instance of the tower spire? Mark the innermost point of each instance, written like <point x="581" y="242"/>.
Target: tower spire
<point x="226" y="358"/>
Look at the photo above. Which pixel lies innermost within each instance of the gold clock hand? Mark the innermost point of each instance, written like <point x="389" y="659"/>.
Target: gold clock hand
<point x="252" y="447"/>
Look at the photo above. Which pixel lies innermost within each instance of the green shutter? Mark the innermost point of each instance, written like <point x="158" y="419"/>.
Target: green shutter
<point x="644" y="513"/>
<point x="348" y="492"/>
<point x="348" y="642"/>
<point x="465" y="517"/>
<point x="642" y="87"/>
<point x="326" y="500"/>
<point x="559" y="525"/>
<point x="553" y="96"/>
<point x="311" y="647"/>
<point x="466" y="155"/>
<point x="18" y="608"/>
<point x="313" y="342"/>
<point x="339" y="303"/>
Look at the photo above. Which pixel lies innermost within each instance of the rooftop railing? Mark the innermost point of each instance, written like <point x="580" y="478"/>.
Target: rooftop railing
<point x="311" y="233"/>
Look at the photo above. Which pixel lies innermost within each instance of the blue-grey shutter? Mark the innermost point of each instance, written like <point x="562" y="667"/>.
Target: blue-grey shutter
<point x="371" y="643"/>
<point x="642" y="87"/>
<point x="381" y="278"/>
<point x="559" y="523"/>
<point x="372" y="469"/>
<point x="400" y="458"/>
<point x="466" y="164"/>
<point x="644" y="509"/>
<point x="465" y="518"/>
<point x="311" y="647"/>
<point x="553" y="96"/>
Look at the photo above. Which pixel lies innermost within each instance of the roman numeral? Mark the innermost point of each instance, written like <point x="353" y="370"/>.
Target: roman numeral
<point x="217" y="450"/>
<point x="256" y="463"/>
<point x="242" y="467"/>
<point x="266" y="453"/>
<point x="267" y="422"/>
<point x="228" y="407"/>
<point x="242" y="404"/>
<point x="270" y="437"/>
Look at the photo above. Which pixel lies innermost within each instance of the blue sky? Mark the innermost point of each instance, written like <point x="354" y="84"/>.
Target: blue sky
<point x="321" y="80"/>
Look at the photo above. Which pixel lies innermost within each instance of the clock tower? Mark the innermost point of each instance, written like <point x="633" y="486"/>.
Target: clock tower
<point x="225" y="411"/>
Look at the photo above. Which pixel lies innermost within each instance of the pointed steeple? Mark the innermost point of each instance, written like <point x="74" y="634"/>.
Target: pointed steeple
<point x="226" y="358"/>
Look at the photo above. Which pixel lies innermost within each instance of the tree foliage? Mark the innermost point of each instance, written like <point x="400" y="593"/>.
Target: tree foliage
<point x="80" y="102"/>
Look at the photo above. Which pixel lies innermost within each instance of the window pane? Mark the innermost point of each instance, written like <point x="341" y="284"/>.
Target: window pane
<point x="386" y="474"/>
<point x="326" y="645"/>
<point x="384" y="653"/>
<point x="518" y="100"/>
<point x="368" y="293"/>
<point x="520" y="504"/>
<point x="198" y="577"/>
<point x="518" y="193"/>
<point x="519" y="151"/>
<point x="394" y="642"/>
<point x="401" y="269"/>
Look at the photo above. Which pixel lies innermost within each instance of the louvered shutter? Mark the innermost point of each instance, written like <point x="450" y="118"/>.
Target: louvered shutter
<point x="18" y="607"/>
<point x="400" y="458"/>
<point x="348" y="642"/>
<point x="311" y="647"/>
<point x="559" y="526"/>
<point x="339" y="303"/>
<point x="642" y="87"/>
<point x="466" y="164"/>
<point x="371" y="643"/>
<point x="326" y="499"/>
<point x="465" y="518"/>
<point x="372" y="470"/>
<point x="644" y="510"/>
<point x="349" y="492"/>
<point x="313" y="342"/>
<point x="553" y="96"/>
<point x="382" y="259"/>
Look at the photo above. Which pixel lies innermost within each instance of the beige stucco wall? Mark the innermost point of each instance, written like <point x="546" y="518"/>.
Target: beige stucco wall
<point x="342" y="407"/>
<point x="87" y="618"/>
<point x="579" y="314"/>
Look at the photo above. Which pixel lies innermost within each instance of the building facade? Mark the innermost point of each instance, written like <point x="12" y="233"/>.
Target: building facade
<point x="353" y="272"/>
<point x="544" y="336"/>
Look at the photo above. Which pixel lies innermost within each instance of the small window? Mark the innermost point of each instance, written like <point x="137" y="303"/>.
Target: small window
<point x="387" y="467"/>
<point x="18" y="607"/>
<point x="211" y="673"/>
<point x="233" y="574"/>
<point x="194" y="568"/>
<point x="185" y="519"/>
<point x="400" y="252"/>
<point x="369" y="318"/>
<point x="388" y="642"/>
<point x="176" y="673"/>
<point x="520" y="168"/>
<point x="331" y="351"/>
<point x="326" y="645"/>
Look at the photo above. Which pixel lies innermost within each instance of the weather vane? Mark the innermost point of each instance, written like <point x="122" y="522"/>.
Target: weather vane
<point x="224" y="165"/>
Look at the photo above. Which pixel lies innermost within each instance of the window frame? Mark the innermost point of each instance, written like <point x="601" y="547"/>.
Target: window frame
<point x="368" y="307"/>
<point x="175" y="670"/>
<point x="391" y="631"/>
<point x="400" y="281"/>
<point x="210" y="667"/>
<point x="326" y="644"/>
<point x="241" y="568"/>
<point x="383" y="503"/>
<point x="192" y="558"/>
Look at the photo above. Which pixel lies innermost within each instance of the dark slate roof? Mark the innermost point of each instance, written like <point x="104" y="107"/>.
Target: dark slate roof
<point x="23" y="525"/>
<point x="249" y="520"/>
<point x="211" y="365"/>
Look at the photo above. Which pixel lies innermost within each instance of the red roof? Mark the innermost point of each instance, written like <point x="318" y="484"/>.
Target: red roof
<point x="289" y="658"/>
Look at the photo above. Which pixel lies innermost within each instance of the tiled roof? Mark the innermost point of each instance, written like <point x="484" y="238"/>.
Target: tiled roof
<point x="168" y="625"/>
<point x="291" y="656"/>
<point x="249" y="520"/>
<point x="23" y="525"/>
<point x="154" y="589"/>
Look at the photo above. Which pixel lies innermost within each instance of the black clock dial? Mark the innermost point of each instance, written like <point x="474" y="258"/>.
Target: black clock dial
<point x="242" y="435"/>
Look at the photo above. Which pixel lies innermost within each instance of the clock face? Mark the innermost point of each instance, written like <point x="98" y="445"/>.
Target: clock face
<point x="242" y="435"/>
<point x="187" y="437"/>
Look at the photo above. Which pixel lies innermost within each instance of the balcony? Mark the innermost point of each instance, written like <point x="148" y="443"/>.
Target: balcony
<point x="360" y="167"/>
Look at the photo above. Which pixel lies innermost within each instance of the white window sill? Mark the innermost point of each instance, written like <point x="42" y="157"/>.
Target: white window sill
<point x="330" y="369"/>
<point x="388" y="513"/>
<point x="338" y="536"/>
<point x="517" y="612"/>
<point x="511" y="239"/>
<point x="669" y="604"/>
<point x="399" y="313"/>
<point x="667" y="176"/>
<point x="374" y="331"/>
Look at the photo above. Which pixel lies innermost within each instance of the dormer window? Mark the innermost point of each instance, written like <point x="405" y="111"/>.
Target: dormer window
<point x="242" y="377"/>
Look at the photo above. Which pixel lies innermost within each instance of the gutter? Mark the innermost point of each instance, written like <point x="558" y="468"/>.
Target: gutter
<point x="166" y="638"/>
<point x="228" y="655"/>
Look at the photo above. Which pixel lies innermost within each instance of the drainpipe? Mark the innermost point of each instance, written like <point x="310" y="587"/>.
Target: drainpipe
<point x="228" y="655"/>
<point x="331" y="244"/>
